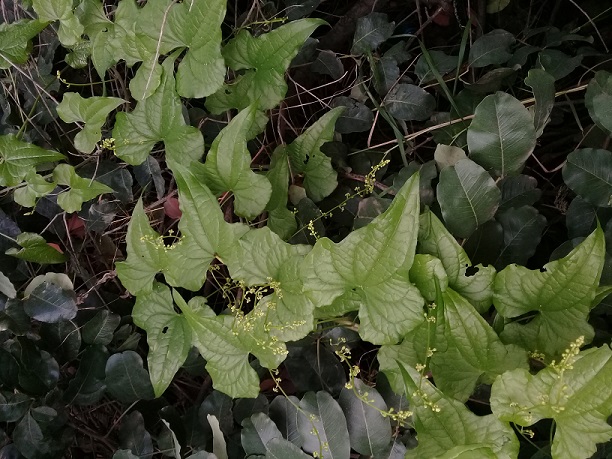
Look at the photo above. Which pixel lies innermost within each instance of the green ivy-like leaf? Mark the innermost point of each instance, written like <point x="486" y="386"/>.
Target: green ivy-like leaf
<point x="155" y="119"/>
<point x="434" y="239"/>
<point x="574" y="392"/>
<point x="306" y="157"/>
<point x="559" y="296"/>
<point x="474" y="353"/>
<point x="80" y="191"/>
<point x="92" y="111"/>
<point x="228" y="166"/>
<point x="280" y="219"/>
<point x="369" y="268"/>
<point x="443" y="423"/>
<point x="35" y="187"/>
<point x="502" y="135"/>
<point x="70" y="28"/>
<point x="164" y="25"/>
<point x="15" y="41"/>
<point x="18" y="158"/>
<point x="468" y="197"/>
<point x="588" y="172"/>
<point x="265" y="60"/>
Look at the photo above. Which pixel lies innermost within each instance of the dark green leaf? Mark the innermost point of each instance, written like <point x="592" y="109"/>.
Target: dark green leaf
<point x="126" y="379"/>
<point x="385" y="73"/>
<point x="28" y="437"/>
<point x="278" y="448"/>
<point x="256" y="432"/>
<point x="99" y="329"/>
<point x="468" y="197"/>
<point x="62" y="339"/>
<point x="523" y="228"/>
<point x="501" y="136"/>
<point x="219" y="405"/>
<point x="409" y="102"/>
<point x="356" y="118"/>
<point x="50" y="303"/>
<point x="320" y="413"/>
<point x="13" y="406"/>
<point x="491" y="48"/>
<point x="369" y="430"/>
<point x="133" y="435"/>
<point x="372" y="30"/>
<point x="88" y="386"/>
<point x="327" y="63"/>
<point x="557" y="63"/>
<point x="442" y="61"/>
<point x="542" y="85"/>
<point x="518" y="191"/>
<point x="588" y="172"/>
<point x="598" y="99"/>
<point x="284" y="413"/>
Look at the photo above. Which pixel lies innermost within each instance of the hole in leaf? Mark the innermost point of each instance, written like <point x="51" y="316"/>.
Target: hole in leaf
<point x="164" y="330"/>
<point x="471" y="270"/>
<point x="228" y="92"/>
<point x="177" y="309"/>
<point x="524" y="319"/>
<point x="543" y="269"/>
<point x="307" y="158"/>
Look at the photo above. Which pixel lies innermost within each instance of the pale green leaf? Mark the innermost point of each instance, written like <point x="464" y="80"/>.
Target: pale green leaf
<point x="146" y="254"/>
<point x="428" y="274"/>
<point x="18" y="158"/>
<point x="448" y="155"/>
<point x="558" y="296"/>
<point x="91" y="111"/>
<point x="80" y="189"/>
<point x="443" y="423"/>
<point x="588" y="172"/>
<point x="70" y="28"/>
<point x="165" y="25"/>
<point x="474" y="353"/>
<point x="598" y="99"/>
<point x="323" y="426"/>
<point x="6" y="286"/>
<point x="35" y="187"/>
<point x="575" y="392"/>
<point x="15" y="44"/>
<point x="168" y="334"/>
<point x="158" y="118"/>
<point x="542" y="85"/>
<point x="502" y="135"/>
<point x="468" y="197"/>
<point x="369" y="431"/>
<point x="265" y="59"/>
<point x="228" y="167"/>
<point x="306" y="157"/>
<point x="434" y="239"/>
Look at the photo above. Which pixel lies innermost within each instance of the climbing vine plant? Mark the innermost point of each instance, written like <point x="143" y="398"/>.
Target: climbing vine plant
<point x="400" y="281"/>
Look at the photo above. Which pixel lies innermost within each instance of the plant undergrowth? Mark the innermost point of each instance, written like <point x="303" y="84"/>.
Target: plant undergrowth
<point x="230" y="230"/>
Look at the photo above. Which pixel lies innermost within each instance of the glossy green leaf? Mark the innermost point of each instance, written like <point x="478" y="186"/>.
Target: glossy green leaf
<point x="542" y="85"/>
<point x="70" y="28"/>
<point x="228" y="167"/>
<point x="409" y="102"/>
<point x="588" y="172"/>
<point x="18" y="158"/>
<point x="15" y="38"/>
<point x="280" y="219"/>
<point x="323" y="426"/>
<point x="284" y="413"/>
<point x="518" y="191"/>
<point x="278" y="448"/>
<point x="256" y="432"/>
<point x="87" y="387"/>
<point x="264" y="60"/>
<point x="306" y="157"/>
<point x="168" y="335"/>
<point x="491" y="48"/>
<point x="575" y="392"/>
<point x="598" y="99"/>
<point x="434" y="239"/>
<point x="34" y="248"/>
<point x="502" y="135"/>
<point x="474" y="353"/>
<point x="155" y="119"/>
<point x="35" y="187"/>
<point x="50" y="303"/>
<point x="91" y="111"/>
<point x="369" y="431"/>
<point x="126" y="379"/>
<point x="443" y="423"/>
<point x="523" y="227"/>
<point x="558" y="298"/>
<point x="195" y="25"/>
<point x="468" y="197"/>
<point x="80" y="189"/>
<point x="428" y="274"/>
<point x="369" y="268"/>
<point x="371" y="31"/>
